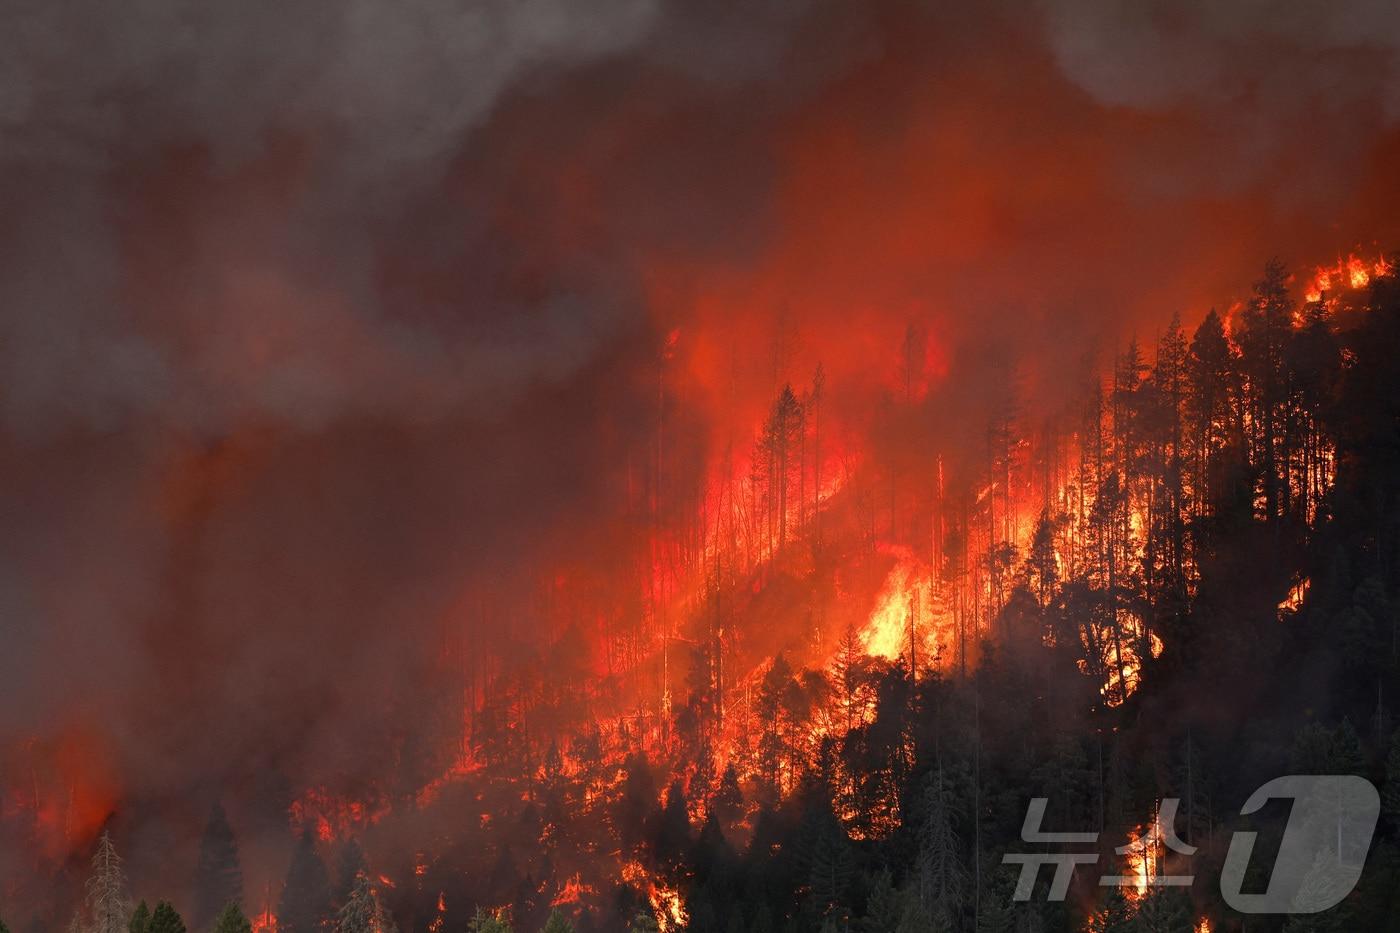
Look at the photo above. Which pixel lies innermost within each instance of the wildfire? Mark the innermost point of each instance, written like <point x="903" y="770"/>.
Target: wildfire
<point x="666" y="901"/>
<point x="897" y="612"/>
<point x="331" y="817"/>
<point x="1296" y="594"/>
<point x="1352" y="272"/>
<point x="906" y="613"/>
<point x="438" y="922"/>
<point x="1141" y="860"/>
<point x="572" y="892"/>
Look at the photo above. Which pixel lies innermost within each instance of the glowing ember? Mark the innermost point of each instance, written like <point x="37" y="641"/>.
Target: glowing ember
<point x="1296" y="594"/>
<point x="666" y="902"/>
<point x="572" y="892"/>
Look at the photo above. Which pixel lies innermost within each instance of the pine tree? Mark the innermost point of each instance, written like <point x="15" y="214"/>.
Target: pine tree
<point x="1211" y="411"/>
<point x="942" y="876"/>
<point x="1390" y="793"/>
<point x="1165" y="910"/>
<point x="728" y="802"/>
<point x="557" y="923"/>
<point x="644" y="922"/>
<point x="363" y="913"/>
<point x="1115" y="916"/>
<point x="107" y="904"/>
<point x="826" y="854"/>
<point x="140" y="919"/>
<point x="485" y="921"/>
<point x="349" y="865"/>
<point x="306" y="900"/>
<point x="166" y="920"/>
<point x="884" y="908"/>
<point x="231" y="920"/>
<point x="670" y="834"/>
<point x="997" y="912"/>
<point x="218" y="877"/>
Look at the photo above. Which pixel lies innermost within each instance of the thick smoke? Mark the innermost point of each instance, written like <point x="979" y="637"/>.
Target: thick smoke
<point x="320" y="320"/>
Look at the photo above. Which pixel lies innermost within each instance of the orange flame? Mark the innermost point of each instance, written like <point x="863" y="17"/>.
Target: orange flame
<point x="1350" y="273"/>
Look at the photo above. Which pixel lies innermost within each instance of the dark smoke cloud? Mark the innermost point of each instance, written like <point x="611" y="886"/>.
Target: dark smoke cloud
<point x="314" y="317"/>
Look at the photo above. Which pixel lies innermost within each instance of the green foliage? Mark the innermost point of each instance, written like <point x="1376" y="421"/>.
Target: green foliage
<point x="140" y="919"/>
<point x="486" y="921"/>
<point x="643" y="922"/>
<point x="166" y="920"/>
<point x="557" y="923"/>
<point x="998" y="913"/>
<point x="362" y="912"/>
<point x="231" y="920"/>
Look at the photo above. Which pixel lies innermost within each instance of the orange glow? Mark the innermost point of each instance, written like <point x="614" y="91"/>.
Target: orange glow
<point x="1296" y="594"/>
<point x="666" y="902"/>
<point x="1350" y="273"/>
<point x="333" y="817"/>
<point x="571" y="892"/>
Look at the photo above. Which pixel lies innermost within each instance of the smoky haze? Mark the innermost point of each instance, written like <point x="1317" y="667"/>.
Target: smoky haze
<point x="321" y="320"/>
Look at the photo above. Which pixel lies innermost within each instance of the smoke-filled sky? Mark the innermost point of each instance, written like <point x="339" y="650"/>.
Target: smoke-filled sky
<point x="313" y="315"/>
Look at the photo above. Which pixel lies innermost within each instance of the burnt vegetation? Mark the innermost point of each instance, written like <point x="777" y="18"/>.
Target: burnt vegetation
<point x="1182" y="582"/>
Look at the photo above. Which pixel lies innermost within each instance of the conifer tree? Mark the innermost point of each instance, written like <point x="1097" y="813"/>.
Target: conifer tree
<point x="557" y="923"/>
<point x="140" y="919"/>
<point x="231" y="920"/>
<point x="108" y="908"/>
<point x="486" y="921"/>
<point x="218" y="877"/>
<point x="349" y="864"/>
<point x="306" y="899"/>
<point x="826" y="854"/>
<point x="166" y="920"/>
<point x="1115" y="916"/>
<point x="1165" y="910"/>
<point x="644" y="922"/>
<point x="884" y="908"/>
<point x="363" y="913"/>
<point x="942" y="876"/>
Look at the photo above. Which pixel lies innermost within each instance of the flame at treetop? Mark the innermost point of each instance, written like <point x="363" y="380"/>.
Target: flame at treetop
<point x="1350" y="273"/>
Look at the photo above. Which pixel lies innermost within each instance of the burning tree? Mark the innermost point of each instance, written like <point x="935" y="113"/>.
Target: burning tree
<point x="363" y="912"/>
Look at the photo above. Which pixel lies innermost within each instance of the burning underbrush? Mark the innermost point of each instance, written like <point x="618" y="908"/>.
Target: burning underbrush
<point x="789" y="644"/>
